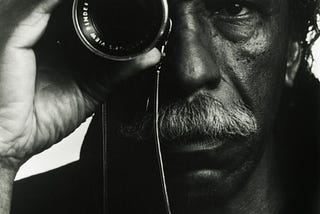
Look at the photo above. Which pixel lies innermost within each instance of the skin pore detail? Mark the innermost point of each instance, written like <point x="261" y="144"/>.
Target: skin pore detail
<point x="233" y="55"/>
<point x="236" y="123"/>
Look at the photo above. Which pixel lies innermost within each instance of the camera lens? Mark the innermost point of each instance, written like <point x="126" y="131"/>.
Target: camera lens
<point x="120" y="29"/>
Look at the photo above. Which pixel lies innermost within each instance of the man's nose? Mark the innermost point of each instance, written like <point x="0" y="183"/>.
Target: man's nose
<point x="190" y="62"/>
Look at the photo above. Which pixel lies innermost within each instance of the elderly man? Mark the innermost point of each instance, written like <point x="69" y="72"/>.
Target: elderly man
<point x="237" y="113"/>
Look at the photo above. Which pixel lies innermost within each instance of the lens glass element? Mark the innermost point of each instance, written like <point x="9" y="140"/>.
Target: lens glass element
<point x="119" y="29"/>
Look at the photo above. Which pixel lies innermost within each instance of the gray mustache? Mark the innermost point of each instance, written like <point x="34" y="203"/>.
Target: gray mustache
<point x="204" y="117"/>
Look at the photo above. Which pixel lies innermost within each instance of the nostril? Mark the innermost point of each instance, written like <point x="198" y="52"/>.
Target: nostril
<point x="214" y="81"/>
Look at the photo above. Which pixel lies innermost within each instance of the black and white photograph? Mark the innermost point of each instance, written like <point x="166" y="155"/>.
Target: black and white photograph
<point x="159" y="107"/>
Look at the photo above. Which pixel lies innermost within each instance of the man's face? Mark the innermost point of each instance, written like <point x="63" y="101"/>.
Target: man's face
<point x="219" y="92"/>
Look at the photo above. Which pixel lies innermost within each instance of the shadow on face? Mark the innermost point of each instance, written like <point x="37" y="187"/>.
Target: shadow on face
<point x="222" y="77"/>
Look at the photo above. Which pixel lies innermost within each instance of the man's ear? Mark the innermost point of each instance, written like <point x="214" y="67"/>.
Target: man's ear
<point x="293" y="62"/>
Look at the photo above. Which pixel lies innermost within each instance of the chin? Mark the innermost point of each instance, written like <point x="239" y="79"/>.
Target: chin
<point x="210" y="176"/>
<point x="214" y="184"/>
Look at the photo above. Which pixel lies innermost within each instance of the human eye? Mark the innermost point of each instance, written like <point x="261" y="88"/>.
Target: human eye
<point x="231" y="10"/>
<point x="235" y="19"/>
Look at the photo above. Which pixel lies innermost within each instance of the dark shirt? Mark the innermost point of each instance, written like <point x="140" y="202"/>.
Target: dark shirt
<point x="77" y="188"/>
<point x="74" y="188"/>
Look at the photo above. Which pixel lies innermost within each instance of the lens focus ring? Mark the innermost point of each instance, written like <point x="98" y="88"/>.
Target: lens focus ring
<point x="120" y="29"/>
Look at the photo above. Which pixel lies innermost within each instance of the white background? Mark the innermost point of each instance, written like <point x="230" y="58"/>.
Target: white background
<point x="68" y="150"/>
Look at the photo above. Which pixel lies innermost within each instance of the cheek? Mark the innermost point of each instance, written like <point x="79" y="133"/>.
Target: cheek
<point x="257" y="69"/>
<point x="265" y="70"/>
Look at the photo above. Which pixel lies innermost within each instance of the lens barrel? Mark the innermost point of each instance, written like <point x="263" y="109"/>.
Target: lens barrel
<point x="120" y="29"/>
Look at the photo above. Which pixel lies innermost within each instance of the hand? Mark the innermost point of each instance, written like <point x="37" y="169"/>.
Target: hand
<point x="40" y="106"/>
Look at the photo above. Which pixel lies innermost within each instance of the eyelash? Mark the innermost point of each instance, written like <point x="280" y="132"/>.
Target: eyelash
<point x="231" y="10"/>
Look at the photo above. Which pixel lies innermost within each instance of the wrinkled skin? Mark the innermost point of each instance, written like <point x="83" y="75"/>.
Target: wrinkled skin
<point x="233" y="54"/>
<point x="232" y="57"/>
